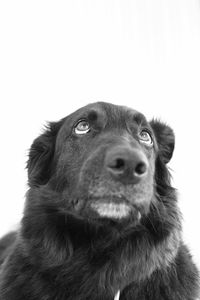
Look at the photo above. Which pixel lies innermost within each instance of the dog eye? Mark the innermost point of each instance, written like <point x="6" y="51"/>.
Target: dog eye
<point x="145" y="137"/>
<point x="82" y="127"/>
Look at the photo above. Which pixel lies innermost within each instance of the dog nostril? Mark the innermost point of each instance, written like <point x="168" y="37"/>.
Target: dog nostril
<point x="120" y="164"/>
<point x="117" y="164"/>
<point x="140" y="169"/>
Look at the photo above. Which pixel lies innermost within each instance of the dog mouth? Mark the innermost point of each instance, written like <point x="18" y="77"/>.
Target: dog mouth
<point x="114" y="208"/>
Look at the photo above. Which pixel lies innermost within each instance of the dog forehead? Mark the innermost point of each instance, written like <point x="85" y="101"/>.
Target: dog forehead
<point x="108" y="111"/>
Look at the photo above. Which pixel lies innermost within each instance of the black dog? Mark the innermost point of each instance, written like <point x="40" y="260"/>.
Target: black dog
<point x="101" y="220"/>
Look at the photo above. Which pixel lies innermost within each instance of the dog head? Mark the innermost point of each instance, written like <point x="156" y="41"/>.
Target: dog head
<point x="106" y="162"/>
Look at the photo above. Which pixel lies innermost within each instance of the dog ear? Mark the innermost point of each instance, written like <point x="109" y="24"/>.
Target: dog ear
<point x="40" y="156"/>
<point x="165" y="139"/>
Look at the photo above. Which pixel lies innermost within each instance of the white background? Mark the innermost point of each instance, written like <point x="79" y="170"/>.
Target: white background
<point x="56" y="56"/>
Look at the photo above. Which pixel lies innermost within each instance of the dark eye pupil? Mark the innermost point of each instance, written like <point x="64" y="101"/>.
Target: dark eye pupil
<point x="145" y="135"/>
<point x="83" y="125"/>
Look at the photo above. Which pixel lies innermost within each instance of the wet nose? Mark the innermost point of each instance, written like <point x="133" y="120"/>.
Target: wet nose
<point x="126" y="165"/>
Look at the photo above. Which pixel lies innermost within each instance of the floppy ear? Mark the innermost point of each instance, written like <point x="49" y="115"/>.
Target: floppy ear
<point x="165" y="139"/>
<point x="41" y="153"/>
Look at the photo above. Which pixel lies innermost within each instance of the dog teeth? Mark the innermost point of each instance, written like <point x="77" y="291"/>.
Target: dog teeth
<point x="112" y="210"/>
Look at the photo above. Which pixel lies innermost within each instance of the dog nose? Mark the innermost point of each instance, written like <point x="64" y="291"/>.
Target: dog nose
<point x="126" y="165"/>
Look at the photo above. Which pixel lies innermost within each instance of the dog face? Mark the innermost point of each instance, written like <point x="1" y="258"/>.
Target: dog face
<point x="105" y="161"/>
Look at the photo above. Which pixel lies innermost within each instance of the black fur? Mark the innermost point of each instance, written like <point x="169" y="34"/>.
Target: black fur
<point x="65" y="249"/>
